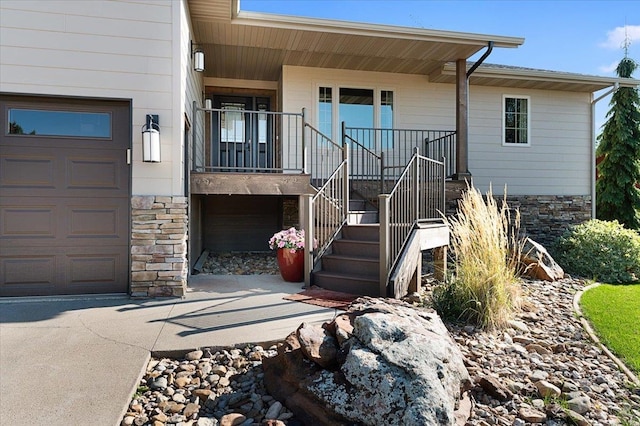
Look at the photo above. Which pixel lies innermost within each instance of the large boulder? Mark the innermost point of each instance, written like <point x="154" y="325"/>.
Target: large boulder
<point x="394" y="365"/>
<point x="539" y="263"/>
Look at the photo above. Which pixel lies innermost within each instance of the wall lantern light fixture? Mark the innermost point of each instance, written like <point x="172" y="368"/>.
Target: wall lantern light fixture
<point x="151" y="139"/>
<point x="198" y="57"/>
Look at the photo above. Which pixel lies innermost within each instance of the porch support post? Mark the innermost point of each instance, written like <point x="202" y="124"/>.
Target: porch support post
<point x="462" y="121"/>
<point x="306" y="219"/>
<point x="345" y="182"/>
<point x="385" y="242"/>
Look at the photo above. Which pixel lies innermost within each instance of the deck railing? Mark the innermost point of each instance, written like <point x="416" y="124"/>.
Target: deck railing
<point x="227" y="140"/>
<point x="396" y="146"/>
<point x="417" y="195"/>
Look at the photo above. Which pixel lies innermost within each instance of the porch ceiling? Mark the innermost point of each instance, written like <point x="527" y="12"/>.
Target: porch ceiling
<point x="255" y="46"/>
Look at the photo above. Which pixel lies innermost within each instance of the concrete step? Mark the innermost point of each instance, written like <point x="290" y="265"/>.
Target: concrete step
<point x="364" y="266"/>
<point x="362" y="232"/>
<point x="347" y="283"/>
<point x="370" y="249"/>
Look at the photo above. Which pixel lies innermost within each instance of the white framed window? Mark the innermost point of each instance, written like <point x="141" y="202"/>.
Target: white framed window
<point x="358" y="107"/>
<point x="516" y="120"/>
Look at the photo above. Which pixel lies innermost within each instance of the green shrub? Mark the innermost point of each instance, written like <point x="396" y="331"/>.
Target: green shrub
<point x="604" y="251"/>
<point x="484" y="289"/>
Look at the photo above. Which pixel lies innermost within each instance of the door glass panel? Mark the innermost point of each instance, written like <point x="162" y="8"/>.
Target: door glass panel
<point x="232" y="122"/>
<point x="262" y="123"/>
<point x="59" y="123"/>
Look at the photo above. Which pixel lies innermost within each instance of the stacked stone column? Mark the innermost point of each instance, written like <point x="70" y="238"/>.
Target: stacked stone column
<point x="159" y="264"/>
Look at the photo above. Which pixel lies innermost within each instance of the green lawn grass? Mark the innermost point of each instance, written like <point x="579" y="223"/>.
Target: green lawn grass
<point x="614" y="313"/>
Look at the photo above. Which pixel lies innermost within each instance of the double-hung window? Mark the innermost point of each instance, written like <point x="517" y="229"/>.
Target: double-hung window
<point x="516" y="119"/>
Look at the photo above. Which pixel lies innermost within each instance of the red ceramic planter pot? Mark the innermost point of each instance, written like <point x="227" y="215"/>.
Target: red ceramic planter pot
<point x="291" y="265"/>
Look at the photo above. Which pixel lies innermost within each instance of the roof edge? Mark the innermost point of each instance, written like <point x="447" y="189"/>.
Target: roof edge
<point x="488" y="70"/>
<point x="371" y="30"/>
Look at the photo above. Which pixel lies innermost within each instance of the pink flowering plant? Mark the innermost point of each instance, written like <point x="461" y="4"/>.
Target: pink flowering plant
<point x="291" y="238"/>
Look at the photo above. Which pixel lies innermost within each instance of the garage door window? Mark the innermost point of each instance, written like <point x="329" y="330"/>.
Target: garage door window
<point x="79" y="124"/>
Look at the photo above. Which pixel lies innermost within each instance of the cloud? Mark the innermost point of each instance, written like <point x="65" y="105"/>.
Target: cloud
<point x="609" y="68"/>
<point x="616" y="37"/>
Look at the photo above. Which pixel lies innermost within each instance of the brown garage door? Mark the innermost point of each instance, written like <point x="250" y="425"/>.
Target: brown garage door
<point x="64" y="196"/>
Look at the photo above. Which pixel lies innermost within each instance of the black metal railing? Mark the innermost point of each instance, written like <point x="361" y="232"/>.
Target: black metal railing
<point x="396" y="146"/>
<point x="227" y="140"/>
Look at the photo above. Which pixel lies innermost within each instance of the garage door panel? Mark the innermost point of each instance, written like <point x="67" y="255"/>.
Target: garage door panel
<point x="97" y="270"/>
<point x="91" y="222"/>
<point x="94" y="173"/>
<point x="29" y="270"/>
<point x="79" y="223"/>
<point x="25" y="172"/>
<point x="27" y="221"/>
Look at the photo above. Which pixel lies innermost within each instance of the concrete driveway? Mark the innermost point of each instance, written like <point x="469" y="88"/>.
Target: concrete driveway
<point x="77" y="360"/>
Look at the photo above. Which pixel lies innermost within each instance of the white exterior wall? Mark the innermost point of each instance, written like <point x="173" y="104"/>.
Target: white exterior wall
<point x="556" y="163"/>
<point x="107" y="49"/>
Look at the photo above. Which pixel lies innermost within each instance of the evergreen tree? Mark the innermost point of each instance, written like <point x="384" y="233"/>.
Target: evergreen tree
<point x="617" y="194"/>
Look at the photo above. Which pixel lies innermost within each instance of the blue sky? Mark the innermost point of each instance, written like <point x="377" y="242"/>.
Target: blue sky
<point x="575" y="36"/>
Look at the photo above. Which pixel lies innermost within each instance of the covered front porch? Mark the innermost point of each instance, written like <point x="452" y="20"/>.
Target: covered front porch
<point x="268" y="126"/>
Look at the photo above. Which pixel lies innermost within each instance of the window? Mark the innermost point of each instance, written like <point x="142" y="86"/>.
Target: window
<point x="386" y="118"/>
<point x="516" y="120"/>
<point x="59" y="123"/>
<point x="325" y="110"/>
<point x="358" y="108"/>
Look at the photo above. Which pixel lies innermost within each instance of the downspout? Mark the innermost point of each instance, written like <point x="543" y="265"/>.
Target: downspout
<point x="593" y="145"/>
<point x="462" y="113"/>
<point x="481" y="60"/>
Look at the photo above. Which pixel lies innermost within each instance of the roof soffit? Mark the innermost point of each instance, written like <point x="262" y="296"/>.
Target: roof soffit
<point x="249" y="45"/>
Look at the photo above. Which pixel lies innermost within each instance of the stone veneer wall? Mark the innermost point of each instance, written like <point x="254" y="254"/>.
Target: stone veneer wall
<point x="542" y="217"/>
<point x="290" y="213"/>
<point x="159" y="264"/>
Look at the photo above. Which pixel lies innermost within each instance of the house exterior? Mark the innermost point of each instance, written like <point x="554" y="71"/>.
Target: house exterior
<point x="81" y="212"/>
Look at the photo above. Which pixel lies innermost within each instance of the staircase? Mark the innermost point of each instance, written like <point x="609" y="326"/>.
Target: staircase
<point x="353" y="265"/>
<point x="356" y="249"/>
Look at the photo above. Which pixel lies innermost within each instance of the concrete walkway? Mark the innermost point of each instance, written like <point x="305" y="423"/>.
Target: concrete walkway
<point x="77" y="360"/>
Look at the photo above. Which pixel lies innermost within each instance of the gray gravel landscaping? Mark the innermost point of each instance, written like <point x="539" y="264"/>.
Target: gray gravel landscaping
<point x="543" y="369"/>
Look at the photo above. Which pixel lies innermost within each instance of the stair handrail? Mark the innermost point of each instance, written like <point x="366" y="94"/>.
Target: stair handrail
<point x="443" y="146"/>
<point x="323" y="153"/>
<point x="368" y="160"/>
<point x="325" y="213"/>
<point x="417" y="194"/>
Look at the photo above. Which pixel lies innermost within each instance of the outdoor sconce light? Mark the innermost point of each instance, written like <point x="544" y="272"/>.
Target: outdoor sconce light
<point x="151" y="140"/>
<point x="198" y="57"/>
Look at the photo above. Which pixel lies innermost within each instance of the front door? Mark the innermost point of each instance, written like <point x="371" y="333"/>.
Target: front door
<point x="242" y="133"/>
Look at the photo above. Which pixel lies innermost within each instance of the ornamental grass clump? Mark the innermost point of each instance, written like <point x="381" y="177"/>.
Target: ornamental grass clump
<point x="484" y="288"/>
